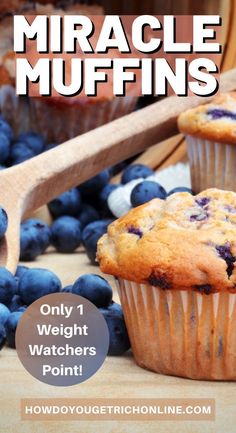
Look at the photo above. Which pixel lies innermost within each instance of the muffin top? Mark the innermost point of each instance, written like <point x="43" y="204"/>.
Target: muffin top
<point x="215" y="121"/>
<point x="185" y="242"/>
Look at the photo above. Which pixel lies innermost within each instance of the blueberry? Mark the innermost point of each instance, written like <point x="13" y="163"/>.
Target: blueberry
<point x="67" y="289"/>
<point x="49" y="146"/>
<point x="19" y="153"/>
<point x="119" y="339"/>
<point x="6" y="129"/>
<point x="36" y="283"/>
<point x="95" y="184"/>
<point x="90" y="236"/>
<point x="8" y="286"/>
<point x="11" y="325"/>
<point x="94" y="288"/>
<point x="136" y="171"/>
<point x="218" y="113"/>
<point x="224" y="252"/>
<point x="88" y="214"/>
<point x="146" y="191"/>
<point x="66" y="234"/>
<point x="116" y="308"/>
<point x="2" y="336"/>
<point x="203" y="201"/>
<point x="117" y="168"/>
<point x="4" y="313"/>
<point x="34" y="142"/>
<point x="20" y="270"/>
<point x="15" y="303"/>
<point x="35" y="237"/>
<point x="4" y="147"/>
<point x="180" y="189"/>
<point x="103" y="196"/>
<point x="3" y="222"/>
<point x="68" y="203"/>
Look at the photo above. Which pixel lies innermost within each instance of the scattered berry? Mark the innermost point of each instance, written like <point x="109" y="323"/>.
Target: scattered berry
<point x="87" y="215"/>
<point x="68" y="203"/>
<point x="3" y="222"/>
<point x="4" y="147"/>
<point x="90" y="236"/>
<point x="95" y="184"/>
<point x="119" y="339"/>
<point x="4" y="314"/>
<point x="94" y="288"/>
<point x="6" y="129"/>
<point x="146" y="191"/>
<point x="2" y="336"/>
<point x="35" y="237"/>
<point x="66" y="234"/>
<point x="67" y="289"/>
<point x="34" y="142"/>
<point x="8" y="286"/>
<point x="37" y="282"/>
<point x="20" y="152"/>
<point x="136" y="171"/>
<point x="11" y="325"/>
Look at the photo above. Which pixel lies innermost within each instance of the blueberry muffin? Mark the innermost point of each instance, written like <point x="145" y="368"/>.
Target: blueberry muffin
<point x="175" y="263"/>
<point x="211" y="137"/>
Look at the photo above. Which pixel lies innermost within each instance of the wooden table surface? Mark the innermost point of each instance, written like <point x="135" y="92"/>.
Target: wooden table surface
<point x="119" y="377"/>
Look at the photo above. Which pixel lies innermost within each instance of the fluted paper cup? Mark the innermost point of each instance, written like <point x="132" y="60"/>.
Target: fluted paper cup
<point x="181" y="333"/>
<point x="212" y="164"/>
<point x="59" y="121"/>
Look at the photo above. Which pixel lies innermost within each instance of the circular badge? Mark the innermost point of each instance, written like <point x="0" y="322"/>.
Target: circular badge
<point x="62" y="339"/>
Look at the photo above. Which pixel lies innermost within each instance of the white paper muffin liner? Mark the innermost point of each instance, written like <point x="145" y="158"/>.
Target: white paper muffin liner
<point x="58" y="121"/>
<point x="212" y="164"/>
<point x="181" y="333"/>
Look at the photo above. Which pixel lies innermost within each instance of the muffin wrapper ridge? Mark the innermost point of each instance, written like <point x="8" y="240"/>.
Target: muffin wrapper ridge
<point x="181" y="333"/>
<point x="212" y="164"/>
<point x="69" y="120"/>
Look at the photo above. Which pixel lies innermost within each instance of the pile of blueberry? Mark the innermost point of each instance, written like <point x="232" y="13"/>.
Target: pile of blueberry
<point x="80" y="216"/>
<point x="19" y="291"/>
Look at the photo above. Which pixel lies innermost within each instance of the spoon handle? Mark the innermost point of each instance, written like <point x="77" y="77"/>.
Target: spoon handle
<point x="42" y="178"/>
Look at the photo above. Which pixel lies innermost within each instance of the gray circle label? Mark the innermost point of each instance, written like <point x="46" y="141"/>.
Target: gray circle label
<point x="62" y="339"/>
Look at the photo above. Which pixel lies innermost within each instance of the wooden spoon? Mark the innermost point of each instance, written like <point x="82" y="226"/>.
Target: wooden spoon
<point x="27" y="186"/>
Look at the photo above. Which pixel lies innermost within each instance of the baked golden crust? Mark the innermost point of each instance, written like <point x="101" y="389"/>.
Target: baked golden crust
<point x="185" y="242"/>
<point x="200" y="123"/>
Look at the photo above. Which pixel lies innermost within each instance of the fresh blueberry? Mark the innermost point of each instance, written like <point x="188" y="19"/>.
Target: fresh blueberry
<point x="4" y="147"/>
<point x="116" y="308"/>
<point x="180" y="189"/>
<point x="68" y="203"/>
<point x="4" y="313"/>
<point x="136" y="171"/>
<point x="87" y="215"/>
<point x="3" y="222"/>
<point x="95" y="184"/>
<point x="103" y="196"/>
<point x="90" y="236"/>
<point x="146" y="191"/>
<point x="6" y="129"/>
<point x="66" y="234"/>
<point x="8" y="286"/>
<point x="15" y="303"/>
<point x="19" y="153"/>
<point x="49" y="146"/>
<point x="35" y="237"/>
<point x="218" y="113"/>
<point x="2" y="336"/>
<point x="94" y="288"/>
<point x="11" y="325"/>
<point x="36" y="283"/>
<point x="34" y="142"/>
<point x="20" y="270"/>
<point x="117" y="168"/>
<point x="67" y="289"/>
<point x="119" y="339"/>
